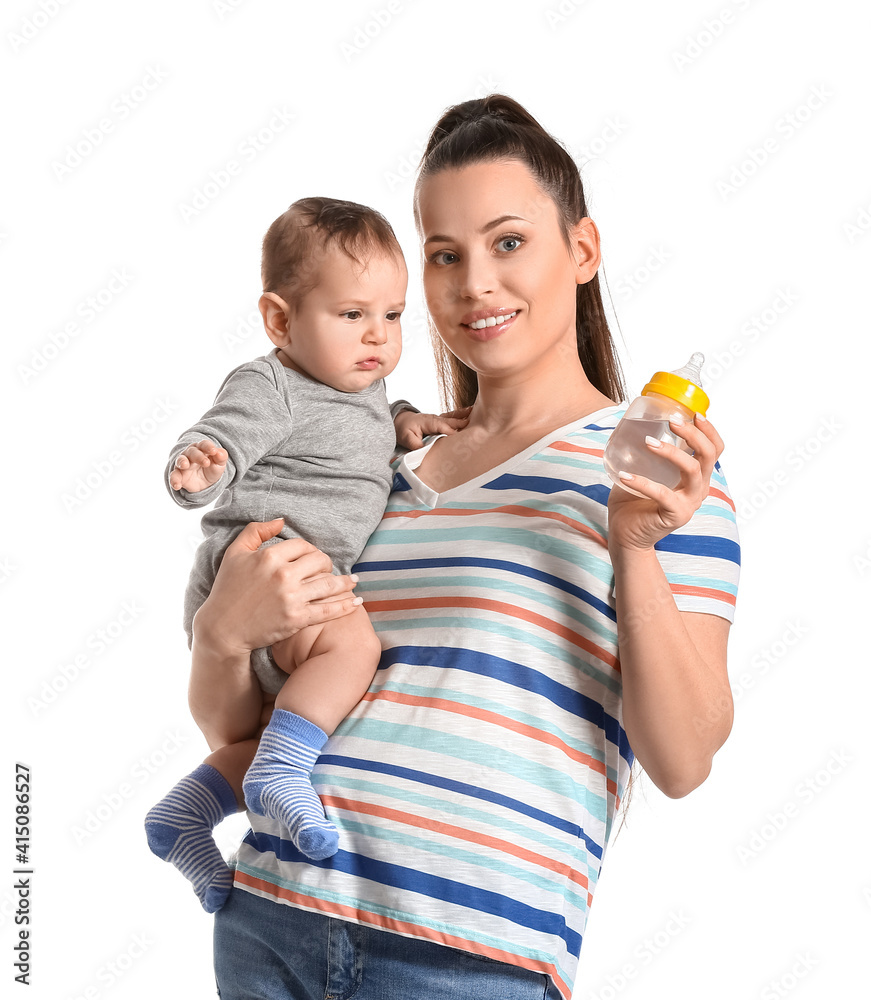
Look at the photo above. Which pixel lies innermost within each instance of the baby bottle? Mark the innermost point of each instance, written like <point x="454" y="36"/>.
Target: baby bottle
<point x="667" y="396"/>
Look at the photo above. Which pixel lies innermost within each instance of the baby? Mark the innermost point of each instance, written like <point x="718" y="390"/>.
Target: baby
<point x="303" y="433"/>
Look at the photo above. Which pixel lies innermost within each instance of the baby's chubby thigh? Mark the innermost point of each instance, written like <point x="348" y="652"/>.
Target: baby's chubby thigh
<point x="331" y="666"/>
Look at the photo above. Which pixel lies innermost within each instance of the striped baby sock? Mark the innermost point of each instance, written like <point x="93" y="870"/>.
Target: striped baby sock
<point x="179" y="830"/>
<point x="278" y="783"/>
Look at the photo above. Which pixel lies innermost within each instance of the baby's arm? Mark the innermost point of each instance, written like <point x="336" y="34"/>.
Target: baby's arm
<point x="249" y="419"/>
<point x="412" y="427"/>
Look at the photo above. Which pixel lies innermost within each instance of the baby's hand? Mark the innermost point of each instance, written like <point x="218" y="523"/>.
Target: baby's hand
<point x="412" y="428"/>
<point x="198" y="467"/>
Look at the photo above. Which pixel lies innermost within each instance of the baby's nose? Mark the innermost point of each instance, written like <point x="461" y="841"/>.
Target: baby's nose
<point x="377" y="331"/>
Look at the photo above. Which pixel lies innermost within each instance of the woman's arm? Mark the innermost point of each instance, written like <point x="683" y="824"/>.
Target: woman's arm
<point x="677" y="701"/>
<point x="260" y="595"/>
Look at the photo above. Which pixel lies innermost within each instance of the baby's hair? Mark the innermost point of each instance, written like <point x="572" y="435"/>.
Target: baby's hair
<point x="294" y="243"/>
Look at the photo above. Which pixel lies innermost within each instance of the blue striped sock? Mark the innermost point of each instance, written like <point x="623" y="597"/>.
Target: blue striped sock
<point x="278" y="783"/>
<point x="179" y="830"/>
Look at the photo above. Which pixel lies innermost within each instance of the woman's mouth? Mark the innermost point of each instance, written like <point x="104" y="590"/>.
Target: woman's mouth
<point x="488" y="327"/>
<point x="479" y="324"/>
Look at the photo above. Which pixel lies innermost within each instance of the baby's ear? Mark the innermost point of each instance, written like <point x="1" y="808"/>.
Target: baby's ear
<point x="275" y="312"/>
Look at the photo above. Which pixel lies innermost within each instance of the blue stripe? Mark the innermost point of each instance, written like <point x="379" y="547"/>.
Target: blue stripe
<point x="417" y="919"/>
<point x="395" y="565"/>
<point x="579" y="659"/>
<point x="434" y="886"/>
<point x="701" y="545"/>
<point x="462" y="788"/>
<point x="548" y="485"/>
<point x="517" y="675"/>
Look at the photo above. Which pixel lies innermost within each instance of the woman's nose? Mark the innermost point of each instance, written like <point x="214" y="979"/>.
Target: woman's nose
<point x="474" y="278"/>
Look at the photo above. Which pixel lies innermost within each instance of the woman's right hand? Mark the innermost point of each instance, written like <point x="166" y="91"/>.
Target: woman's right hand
<point x="263" y="595"/>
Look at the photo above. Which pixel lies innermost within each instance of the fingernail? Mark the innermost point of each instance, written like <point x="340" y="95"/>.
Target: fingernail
<point x="357" y="600"/>
<point x="354" y="577"/>
<point x="625" y="476"/>
<point x="677" y="421"/>
<point x="653" y="442"/>
<point x="701" y="418"/>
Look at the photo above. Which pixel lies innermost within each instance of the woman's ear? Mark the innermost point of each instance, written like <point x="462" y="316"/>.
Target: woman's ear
<point x="276" y="318"/>
<point x="585" y="248"/>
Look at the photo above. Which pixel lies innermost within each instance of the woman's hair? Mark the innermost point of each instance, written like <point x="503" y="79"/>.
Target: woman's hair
<point x="294" y="243"/>
<point x="496" y="127"/>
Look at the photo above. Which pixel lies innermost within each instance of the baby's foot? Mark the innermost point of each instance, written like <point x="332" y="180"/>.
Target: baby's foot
<point x="278" y="783"/>
<point x="179" y="830"/>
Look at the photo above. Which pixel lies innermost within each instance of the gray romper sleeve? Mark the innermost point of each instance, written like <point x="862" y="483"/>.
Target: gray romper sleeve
<point x="250" y="418"/>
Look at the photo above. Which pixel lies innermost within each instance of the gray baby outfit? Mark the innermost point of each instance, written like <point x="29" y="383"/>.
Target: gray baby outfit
<point x="298" y="449"/>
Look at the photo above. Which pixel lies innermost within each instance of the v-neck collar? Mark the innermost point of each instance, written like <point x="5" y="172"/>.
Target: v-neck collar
<point x="427" y="495"/>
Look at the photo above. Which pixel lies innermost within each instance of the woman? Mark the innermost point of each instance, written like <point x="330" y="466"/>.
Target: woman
<point x="540" y="629"/>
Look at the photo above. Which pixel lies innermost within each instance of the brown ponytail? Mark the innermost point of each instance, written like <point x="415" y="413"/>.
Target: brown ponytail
<point x="496" y="127"/>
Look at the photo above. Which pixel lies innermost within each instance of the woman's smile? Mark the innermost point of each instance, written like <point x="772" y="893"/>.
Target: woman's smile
<point x="486" y="325"/>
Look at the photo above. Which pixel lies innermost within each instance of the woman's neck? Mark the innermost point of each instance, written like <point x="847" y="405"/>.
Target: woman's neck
<point x="537" y="401"/>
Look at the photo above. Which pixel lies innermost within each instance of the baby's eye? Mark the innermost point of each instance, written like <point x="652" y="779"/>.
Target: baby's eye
<point x="393" y="315"/>
<point x="506" y="240"/>
<point x="353" y="313"/>
<point x="439" y="255"/>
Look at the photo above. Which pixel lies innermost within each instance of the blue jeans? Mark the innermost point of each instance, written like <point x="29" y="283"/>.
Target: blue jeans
<point x="270" y="951"/>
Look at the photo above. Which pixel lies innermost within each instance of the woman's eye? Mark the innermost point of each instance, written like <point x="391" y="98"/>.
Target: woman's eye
<point x="440" y="255"/>
<point x="509" y="243"/>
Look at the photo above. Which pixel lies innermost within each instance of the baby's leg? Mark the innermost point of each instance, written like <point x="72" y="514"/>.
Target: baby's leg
<point x="333" y="665"/>
<point x="179" y="828"/>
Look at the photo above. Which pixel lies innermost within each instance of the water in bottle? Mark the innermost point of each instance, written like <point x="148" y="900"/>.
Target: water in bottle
<point x="667" y="396"/>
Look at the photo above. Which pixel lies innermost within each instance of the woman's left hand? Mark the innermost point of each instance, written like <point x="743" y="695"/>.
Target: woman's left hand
<point x="639" y="522"/>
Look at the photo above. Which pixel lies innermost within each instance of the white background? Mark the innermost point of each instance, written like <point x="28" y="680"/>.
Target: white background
<point x="726" y="162"/>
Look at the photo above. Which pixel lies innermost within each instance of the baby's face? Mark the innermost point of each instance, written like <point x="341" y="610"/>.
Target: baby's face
<point x="346" y="332"/>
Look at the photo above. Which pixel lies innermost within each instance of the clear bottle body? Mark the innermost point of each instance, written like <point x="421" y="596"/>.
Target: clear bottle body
<point x="627" y="451"/>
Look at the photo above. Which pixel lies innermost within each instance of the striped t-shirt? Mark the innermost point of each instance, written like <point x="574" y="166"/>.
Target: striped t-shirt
<point x="475" y="786"/>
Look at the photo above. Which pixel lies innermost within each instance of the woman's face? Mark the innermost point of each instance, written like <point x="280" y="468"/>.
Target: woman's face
<point x="493" y="247"/>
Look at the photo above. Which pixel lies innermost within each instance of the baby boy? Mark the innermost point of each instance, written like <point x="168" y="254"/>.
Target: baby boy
<point x="304" y="433"/>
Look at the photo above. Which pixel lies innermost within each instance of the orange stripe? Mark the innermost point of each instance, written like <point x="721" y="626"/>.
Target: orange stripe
<point x="513" y="509"/>
<point x="457" y="832"/>
<point x="398" y="926"/>
<point x="717" y="595"/>
<point x="565" y="446"/>
<point x="714" y="492"/>
<point x="483" y="715"/>
<point x="511" y="610"/>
